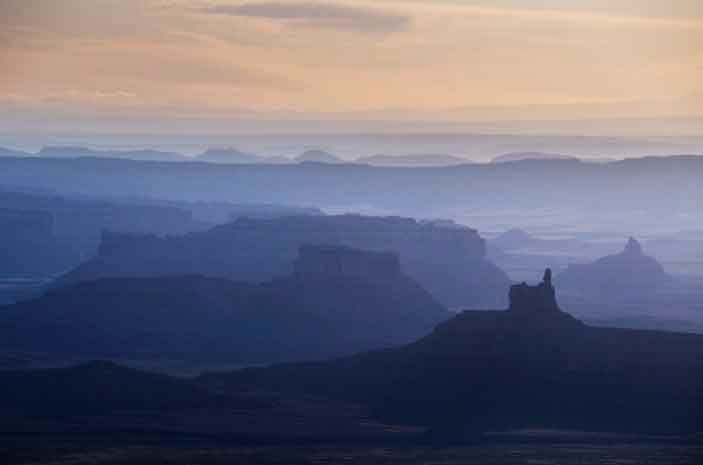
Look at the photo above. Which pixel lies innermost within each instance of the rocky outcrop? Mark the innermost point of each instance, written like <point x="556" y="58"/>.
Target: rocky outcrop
<point x="630" y="272"/>
<point x="446" y="259"/>
<point x="539" y="298"/>
<point x="536" y="307"/>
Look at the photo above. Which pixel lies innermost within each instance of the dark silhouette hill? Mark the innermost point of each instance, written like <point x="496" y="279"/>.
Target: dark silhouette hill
<point x="448" y="260"/>
<point x="531" y="366"/>
<point x="629" y="272"/>
<point x="94" y="388"/>
<point x="89" y="402"/>
<point x="336" y="301"/>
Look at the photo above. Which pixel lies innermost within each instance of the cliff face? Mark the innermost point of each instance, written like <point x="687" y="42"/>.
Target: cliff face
<point x="449" y="261"/>
<point x="338" y="301"/>
<point x="630" y="272"/>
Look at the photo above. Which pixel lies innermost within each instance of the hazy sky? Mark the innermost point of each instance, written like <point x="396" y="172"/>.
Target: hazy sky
<point x="81" y="61"/>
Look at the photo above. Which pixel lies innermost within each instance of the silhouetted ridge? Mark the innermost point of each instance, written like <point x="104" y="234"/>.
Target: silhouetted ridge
<point x="446" y="259"/>
<point x="532" y="366"/>
<point x="94" y="388"/>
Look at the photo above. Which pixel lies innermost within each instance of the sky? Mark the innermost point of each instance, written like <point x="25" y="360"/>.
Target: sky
<point x="173" y="64"/>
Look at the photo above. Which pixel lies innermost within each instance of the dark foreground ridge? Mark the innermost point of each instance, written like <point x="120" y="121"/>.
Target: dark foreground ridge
<point x="531" y="366"/>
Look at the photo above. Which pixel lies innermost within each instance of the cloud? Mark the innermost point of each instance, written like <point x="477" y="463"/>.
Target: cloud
<point x="319" y="15"/>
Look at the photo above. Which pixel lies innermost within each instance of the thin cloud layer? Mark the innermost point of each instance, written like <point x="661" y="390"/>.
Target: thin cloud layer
<point x="319" y="15"/>
<point x="429" y="60"/>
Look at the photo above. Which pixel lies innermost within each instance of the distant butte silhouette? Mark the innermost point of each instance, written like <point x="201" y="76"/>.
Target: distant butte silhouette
<point x="626" y="273"/>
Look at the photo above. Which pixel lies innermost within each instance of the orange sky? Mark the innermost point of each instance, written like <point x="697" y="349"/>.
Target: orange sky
<point x="458" y="60"/>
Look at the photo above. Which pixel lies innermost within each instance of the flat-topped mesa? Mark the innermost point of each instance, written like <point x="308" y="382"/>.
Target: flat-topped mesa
<point x="336" y="261"/>
<point x="539" y="298"/>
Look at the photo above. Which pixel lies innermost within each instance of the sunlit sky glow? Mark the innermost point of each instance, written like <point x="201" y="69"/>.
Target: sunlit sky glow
<point x="457" y="60"/>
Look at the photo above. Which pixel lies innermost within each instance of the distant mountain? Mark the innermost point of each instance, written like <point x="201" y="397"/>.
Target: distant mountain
<point x="446" y="259"/>
<point x="83" y="152"/>
<point x="4" y="152"/>
<point x="318" y="156"/>
<point x="337" y="301"/>
<point x="234" y="156"/>
<point x="531" y="366"/>
<point x="490" y="193"/>
<point x="412" y="160"/>
<point x="520" y="156"/>
<point x="512" y="239"/>
<point x="630" y="272"/>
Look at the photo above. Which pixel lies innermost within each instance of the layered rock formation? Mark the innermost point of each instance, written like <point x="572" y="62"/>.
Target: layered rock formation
<point x="448" y="260"/>
<point x="77" y="223"/>
<point x="338" y="301"/>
